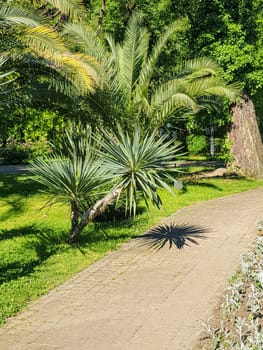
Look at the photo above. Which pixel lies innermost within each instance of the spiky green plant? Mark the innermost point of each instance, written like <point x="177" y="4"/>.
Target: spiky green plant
<point x="5" y="77"/>
<point x="132" y="164"/>
<point x="73" y="175"/>
<point x="141" y="163"/>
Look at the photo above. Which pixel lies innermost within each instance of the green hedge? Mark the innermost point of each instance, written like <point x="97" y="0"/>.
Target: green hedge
<point x="197" y="144"/>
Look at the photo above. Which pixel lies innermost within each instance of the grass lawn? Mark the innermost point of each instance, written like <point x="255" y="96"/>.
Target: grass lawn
<point x="33" y="254"/>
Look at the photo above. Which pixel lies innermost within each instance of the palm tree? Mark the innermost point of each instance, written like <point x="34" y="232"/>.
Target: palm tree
<point x="131" y="96"/>
<point x="132" y="164"/>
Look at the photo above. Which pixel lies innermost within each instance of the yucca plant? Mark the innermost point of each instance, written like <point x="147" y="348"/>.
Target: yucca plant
<point x="142" y="163"/>
<point x="132" y="164"/>
<point x="73" y="175"/>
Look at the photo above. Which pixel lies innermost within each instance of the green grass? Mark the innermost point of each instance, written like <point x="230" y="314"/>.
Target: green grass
<point x="34" y="257"/>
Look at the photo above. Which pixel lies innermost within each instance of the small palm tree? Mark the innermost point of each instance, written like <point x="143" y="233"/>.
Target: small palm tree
<point x="131" y="97"/>
<point x="132" y="164"/>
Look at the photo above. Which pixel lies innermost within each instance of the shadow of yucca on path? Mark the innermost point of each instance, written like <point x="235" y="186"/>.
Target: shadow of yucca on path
<point x="173" y="235"/>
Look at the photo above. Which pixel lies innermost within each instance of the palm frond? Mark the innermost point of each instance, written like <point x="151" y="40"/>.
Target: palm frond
<point x="231" y="91"/>
<point x="141" y="99"/>
<point x="132" y="54"/>
<point x="150" y="63"/>
<point x="212" y="86"/>
<point x="75" y="9"/>
<point x="81" y="70"/>
<point x="44" y="40"/>
<point x="200" y="67"/>
<point x="86" y="40"/>
<point x="169" y="97"/>
<point x="81" y="74"/>
<point x="60" y="84"/>
<point x="16" y="15"/>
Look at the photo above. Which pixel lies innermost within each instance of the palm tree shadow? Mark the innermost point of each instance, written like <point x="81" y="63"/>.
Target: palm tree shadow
<point x="174" y="235"/>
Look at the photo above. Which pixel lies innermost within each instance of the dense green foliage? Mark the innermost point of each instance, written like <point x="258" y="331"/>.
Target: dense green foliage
<point x="197" y="144"/>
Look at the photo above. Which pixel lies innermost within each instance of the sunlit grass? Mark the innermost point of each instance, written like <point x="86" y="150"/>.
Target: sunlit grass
<point x="34" y="257"/>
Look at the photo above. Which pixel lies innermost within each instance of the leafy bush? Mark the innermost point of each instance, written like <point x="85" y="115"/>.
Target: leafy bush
<point x="226" y="155"/>
<point x="15" y="153"/>
<point x="197" y="144"/>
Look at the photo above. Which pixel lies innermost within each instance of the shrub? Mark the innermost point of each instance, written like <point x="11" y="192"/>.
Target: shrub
<point x="197" y="144"/>
<point x="15" y="153"/>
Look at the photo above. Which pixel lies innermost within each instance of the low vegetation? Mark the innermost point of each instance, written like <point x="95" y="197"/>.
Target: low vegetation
<point x="33" y="254"/>
<point x="239" y="325"/>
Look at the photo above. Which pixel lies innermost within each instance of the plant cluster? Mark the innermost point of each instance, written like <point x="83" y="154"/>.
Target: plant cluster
<point x="241" y="311"/>
<point x="130" y="164"/>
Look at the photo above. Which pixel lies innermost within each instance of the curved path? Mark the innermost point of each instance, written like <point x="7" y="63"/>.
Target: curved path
<point x="151" y="294"/>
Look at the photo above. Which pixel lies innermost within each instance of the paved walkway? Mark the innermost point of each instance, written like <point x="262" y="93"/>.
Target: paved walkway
<point x="14" y="169"/>
<point x="23" y="168"/>
<point x="151" y="294"/>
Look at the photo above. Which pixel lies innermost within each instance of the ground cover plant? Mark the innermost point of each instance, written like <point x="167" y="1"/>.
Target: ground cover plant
<point x="34" y="257"/>
<point x="238" y="324"/>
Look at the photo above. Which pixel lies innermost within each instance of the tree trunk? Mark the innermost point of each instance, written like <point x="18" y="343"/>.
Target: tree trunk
<point x="247" y="147"/>
<point x="102" y="12"/>
<point x="74" y="216"/>
<point x="89" y="215"/>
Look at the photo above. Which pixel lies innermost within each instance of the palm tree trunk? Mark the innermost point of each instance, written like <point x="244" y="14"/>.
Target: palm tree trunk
<point x="89" y="215"/>
<point x="247" y="147"/>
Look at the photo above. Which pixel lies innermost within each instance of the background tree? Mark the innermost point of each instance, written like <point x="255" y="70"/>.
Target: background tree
<point x="232" y="33"/>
